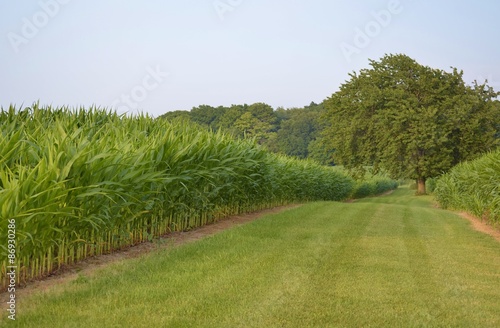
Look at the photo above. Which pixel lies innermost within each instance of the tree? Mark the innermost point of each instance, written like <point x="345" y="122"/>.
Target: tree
<point x="263" y="112"/>
<point x="250" y="126"/>
<point x="231" y="114"/>
<point x="297" y="132"/>
<point x="414" y="121"/>
<point x="207" y="115"/>
<point x="318" y="151"/>
<point x="184" y="114"/>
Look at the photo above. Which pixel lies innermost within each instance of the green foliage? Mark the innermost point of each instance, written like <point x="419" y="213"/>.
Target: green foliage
<point x="473" y="186"/>
<point x="431" y="185"/>
<point x="206" y="115"/>
<point x="317" y="150"/>
<point x="363" y="189"/>
<point x="374" y="185"/>
<point x="298" y="131"/>
<point x="230" y="116"/>
<point x="293" y="132"/>
<point x="177" y="114"/>
<point x="263" y="112"/>
<point x="249" y="125"/>
<point x="412" y="120"/>
<point x="84" y="182"/>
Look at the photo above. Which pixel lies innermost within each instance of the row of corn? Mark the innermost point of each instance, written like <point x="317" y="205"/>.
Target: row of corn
<point x="473" y="186"/>
<point x="83" y="182"/>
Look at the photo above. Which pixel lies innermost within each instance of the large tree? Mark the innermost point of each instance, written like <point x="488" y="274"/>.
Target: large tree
<point x="412" y="120"/>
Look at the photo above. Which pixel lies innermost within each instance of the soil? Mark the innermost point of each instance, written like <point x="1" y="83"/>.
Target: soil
<point x="88" y="266"/>
<point x="481" y="226"/>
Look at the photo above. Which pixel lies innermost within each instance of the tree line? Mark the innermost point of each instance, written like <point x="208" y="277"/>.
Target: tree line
<point x="295" y="132"/>
<point x="410" y="120"/>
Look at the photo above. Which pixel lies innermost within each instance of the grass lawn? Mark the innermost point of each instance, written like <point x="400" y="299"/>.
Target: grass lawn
<point x="392" y="261"/>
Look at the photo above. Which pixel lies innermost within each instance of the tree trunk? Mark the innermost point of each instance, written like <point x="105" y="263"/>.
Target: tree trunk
<point x="421" y="186"/>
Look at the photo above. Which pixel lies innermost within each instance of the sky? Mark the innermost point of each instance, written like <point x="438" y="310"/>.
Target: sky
<point x="155" y="56"/>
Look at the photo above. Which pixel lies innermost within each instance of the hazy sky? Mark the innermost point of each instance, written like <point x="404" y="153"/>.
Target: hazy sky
<point x="162" y="55"/>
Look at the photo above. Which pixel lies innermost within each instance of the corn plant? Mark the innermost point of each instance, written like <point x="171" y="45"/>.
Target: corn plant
<point x="473" y="186"/>
<point x="84" y="182"/>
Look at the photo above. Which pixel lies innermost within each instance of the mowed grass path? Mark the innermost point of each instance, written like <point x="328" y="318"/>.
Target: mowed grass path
<point x="391" y="261"/>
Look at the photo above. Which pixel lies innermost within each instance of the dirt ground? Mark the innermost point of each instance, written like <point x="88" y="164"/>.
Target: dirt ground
<point x="481" y="226"/>
<point x="88" y="266"/>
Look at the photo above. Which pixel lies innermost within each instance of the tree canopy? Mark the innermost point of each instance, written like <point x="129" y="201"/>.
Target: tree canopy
<point x="412" y="120"/>
<point x="293" y="132"/>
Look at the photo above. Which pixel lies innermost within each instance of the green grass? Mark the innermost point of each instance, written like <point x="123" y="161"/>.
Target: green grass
<point x="392" y="261"/>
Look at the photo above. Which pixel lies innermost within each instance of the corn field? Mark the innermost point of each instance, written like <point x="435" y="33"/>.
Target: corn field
<point x="84" y="182"/>
<point x="374" y="185"/>
<point x="474" y="187"/>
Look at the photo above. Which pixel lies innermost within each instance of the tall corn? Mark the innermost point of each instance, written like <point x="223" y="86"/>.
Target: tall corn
<point x="84" y="182"/>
